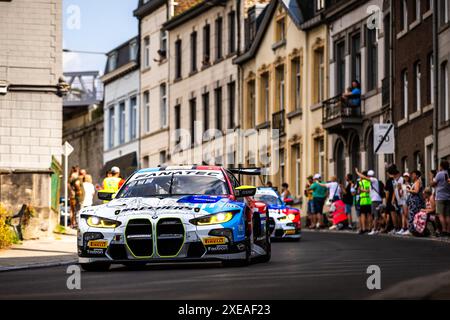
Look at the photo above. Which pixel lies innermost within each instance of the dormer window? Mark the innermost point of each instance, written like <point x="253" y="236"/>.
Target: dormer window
<point x="112" y="65"/>
<point x="280" y="29"/>
<point x="133" y="50"/>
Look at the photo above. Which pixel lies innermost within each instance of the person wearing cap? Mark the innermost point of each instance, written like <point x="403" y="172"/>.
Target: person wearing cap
<point x="376" y="200"/>
<point x="112" y="184"/>
<point x="319" y="196"/>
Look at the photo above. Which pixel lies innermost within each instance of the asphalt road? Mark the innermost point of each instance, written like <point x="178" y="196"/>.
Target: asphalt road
<point x="321" y="266"/>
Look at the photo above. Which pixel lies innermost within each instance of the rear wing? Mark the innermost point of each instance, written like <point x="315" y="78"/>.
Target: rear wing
<point x="248" y="171"/>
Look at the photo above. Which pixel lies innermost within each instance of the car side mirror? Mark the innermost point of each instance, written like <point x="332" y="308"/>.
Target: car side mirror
<point x="105" y="196"/>
<point x="245" y="191"/>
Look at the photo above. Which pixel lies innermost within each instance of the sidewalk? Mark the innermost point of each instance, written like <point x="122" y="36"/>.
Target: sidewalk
<point x="53" y="251"/>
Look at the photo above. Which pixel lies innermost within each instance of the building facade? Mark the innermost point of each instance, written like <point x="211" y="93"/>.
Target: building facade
<point x="443" y="22"/>
<point x="154" y="75"/>
<point x="31" y="105"/>
<point x="122" y="108"/>
<point x="413" y="98"/>
<point x="356" y="53"/>
<point x="283" y="84"/>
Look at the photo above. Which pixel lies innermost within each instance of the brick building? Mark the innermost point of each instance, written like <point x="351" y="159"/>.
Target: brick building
<point x="30" y="104"/>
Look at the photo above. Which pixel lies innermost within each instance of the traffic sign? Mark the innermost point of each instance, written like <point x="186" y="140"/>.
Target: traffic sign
<point x="67" y="149"/>
<point x="384" y="138"/>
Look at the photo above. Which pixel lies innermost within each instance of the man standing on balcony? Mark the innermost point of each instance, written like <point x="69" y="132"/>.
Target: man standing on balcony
<point x="353" y="97"/>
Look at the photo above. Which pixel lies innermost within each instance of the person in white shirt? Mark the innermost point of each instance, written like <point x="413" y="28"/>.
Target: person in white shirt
<point x="89" y="191"/>
<point x="334" y="189"/>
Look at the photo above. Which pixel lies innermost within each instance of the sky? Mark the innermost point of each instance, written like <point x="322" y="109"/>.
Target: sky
<point x="95" y="25"/>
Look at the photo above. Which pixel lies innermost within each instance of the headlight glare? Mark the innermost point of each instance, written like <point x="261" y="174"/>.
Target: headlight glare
<point x="217" y="218"/>
<point x="103" y="223"/>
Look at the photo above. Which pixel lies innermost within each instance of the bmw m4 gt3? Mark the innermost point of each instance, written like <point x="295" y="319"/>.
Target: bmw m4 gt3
<point x="175" y="214"/>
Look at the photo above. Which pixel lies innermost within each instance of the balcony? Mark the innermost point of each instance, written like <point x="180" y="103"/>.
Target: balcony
<point x="342" y="114"/>
<point x="279" y="122"/>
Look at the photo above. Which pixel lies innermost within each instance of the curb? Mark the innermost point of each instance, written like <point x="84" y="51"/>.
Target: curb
<point x="39" y="266"/>
<point x="410" y="238"/>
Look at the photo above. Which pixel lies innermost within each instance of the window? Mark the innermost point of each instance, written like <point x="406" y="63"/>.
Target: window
<point x="163" y="106"/>
<point x="178" y="59"/>
<point x="162" y="157"/>
<point x="122" y="118"/>
<point x="193" y="119"/>
<point x="418" y="161"/>
<point x="280" y="88"/>
<point x="340" y="65"/>
<point x="320" y="5"/>
<point x="219" y="24"/>
<point x="429" y="5"/>
<point x="147" y="52"/>
<point x="404" y="15"/>
<point x="133" y="50"/>
<point x="282" y="167"/>
<point x="418" y="86"/>
<point x="445" y="11"/>
<point x="231" y="105"/>
<point x="405" y="165"/>
<point x="145" y="162"/>
<point x="251" y="87"/>
<point x="112" y="65"/>
<point x="133" y="118"/>
<point x="194" y="51"/>
<point x="163" y="43"/>
<point x="206" y="44"/>
<point x="372" y="58"/>
<point x="431" y="79"/>
<point x="405" y="94"/>
<point x="111" y="127"/>
<point x="280" y="29"/>
<point x="177" y="124"/>
<point x="321" y="156"/>
<point x="265" y="96"/>
<point x="218" y="105"/>
<point x="147" y="111"/>
<point x="296" y="157"/>
<point x="296" y="84"/>
<point x="319" y="75"/>
<point x="445" y="93"/>
<point x="417" y="11"/>
<point x="205" y="99"/>
<point x="232" y="32"/>
<point x="356" y="57"/>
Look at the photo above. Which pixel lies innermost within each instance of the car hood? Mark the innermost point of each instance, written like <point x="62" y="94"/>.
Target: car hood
<point x="195" y="206"/>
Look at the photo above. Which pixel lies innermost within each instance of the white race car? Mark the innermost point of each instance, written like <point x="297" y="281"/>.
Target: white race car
<point x="175" y="214"/>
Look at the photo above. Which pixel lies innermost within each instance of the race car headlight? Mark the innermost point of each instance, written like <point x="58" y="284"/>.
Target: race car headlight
<point x="217" y="218"/>
<point x="98" y="222"/>
<point x="291" y="217"/>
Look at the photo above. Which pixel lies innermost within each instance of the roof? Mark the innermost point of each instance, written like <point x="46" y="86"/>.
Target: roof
<point x="144" y="9"/>
<point x="124" y="63"/>
<point x="299" y="11"/>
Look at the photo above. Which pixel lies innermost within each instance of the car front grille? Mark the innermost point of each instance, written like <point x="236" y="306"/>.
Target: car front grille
<point x="170" y="237"/>
<point x="139" y="237"/>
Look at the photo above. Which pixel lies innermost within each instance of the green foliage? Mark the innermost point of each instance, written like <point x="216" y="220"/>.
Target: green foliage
<point x="7" y="235"/>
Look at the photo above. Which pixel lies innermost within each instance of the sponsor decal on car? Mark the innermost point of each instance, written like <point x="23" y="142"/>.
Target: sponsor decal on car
<point x="212" y="241"/>
<point x="98" y="244"/>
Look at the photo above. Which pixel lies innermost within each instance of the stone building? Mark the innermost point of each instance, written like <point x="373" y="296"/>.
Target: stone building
<point x="443" y="76"/>
<point x="30" y="104"/>
<point x="283" y="84"/>
<point x="356" y="52"/>
<point x="122" y="108"/>
<point x="204" y="90"/>
<point x="154" y="84"/>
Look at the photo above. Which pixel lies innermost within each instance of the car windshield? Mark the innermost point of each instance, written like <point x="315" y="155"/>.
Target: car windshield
<point x="173" y="185"/>
<point x="269" y="199"/>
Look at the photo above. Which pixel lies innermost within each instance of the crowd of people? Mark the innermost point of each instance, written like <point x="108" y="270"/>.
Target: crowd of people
<point x="403" y="205"/>
<point x="81" y="190"/>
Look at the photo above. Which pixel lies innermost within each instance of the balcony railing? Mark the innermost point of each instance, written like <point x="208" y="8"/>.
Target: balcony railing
<point x="279" y="121"/>
<point x="339" y="112"/>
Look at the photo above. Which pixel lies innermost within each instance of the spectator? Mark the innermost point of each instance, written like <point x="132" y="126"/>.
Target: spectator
<point x="405" y="196"/>
<point x="285" y="193"/>
<point x="334" y="189"/>
<point x="89" y="191"/>
<point x="338" y="215"/>
<point x="348" y="198"/>
<point x="415" y="201"/>
<point x="310" y="204"/>
<point x="112" y="184"/>
<point x="269" y="184"/>
<point x="75" y="185"/>
<point x="353" y="97"/>
<point x="376" y="197"/>
<point x="319" y="195"/>
<point x="365" y="202"/>
<point x="441" y="183"/>
<point x="397" y="200"/>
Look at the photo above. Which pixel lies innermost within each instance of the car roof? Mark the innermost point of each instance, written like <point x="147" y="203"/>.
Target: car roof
<point x="188" y="167"/>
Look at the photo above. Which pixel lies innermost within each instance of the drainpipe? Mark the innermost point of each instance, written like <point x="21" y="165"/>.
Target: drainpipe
<point x="240" y="81"/>
<point x="436" y="83"/>
<point x="391" y="66"/>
